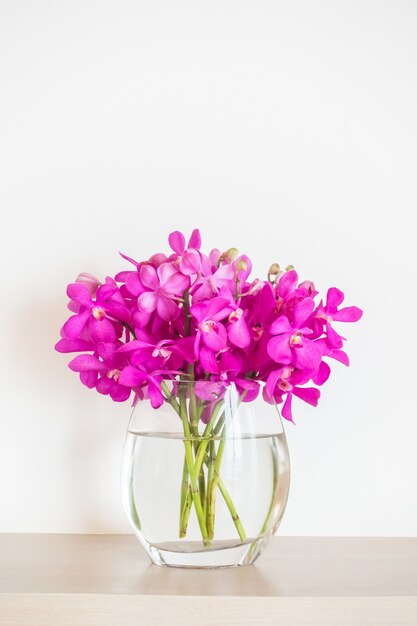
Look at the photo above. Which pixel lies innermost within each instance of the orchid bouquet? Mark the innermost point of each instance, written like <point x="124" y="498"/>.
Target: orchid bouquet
<point x="187" y="315"/>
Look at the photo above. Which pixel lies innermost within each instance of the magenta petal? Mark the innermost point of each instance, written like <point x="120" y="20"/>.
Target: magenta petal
<point x="287" y="284"/>
<point x="348" y="314"/>
<point x="86" y="362"/>
<point x="118" y="311"/>
<point x="335" y="298"/>
<point x="322" y="375"/>
<point x="280" y="326"/>
<point x="195" y="240"/>
<point x="75" y="325"/>
<point x="248" y="389"/>
<point x="271" y="382"/>
<point x="104" y="385"/>
<point x="238" y="333"/>
<point x="216" y="338"/>
<point x="310" y="395"/>
<point x="230" y="362"/>
<point x="79" y="293"/>
<point x="302" y="311"/>
<point x="190" y="263"/>
<point x="177" y="242"/>
<point x="119" y="393"/>
<point x="101" y="330"/>
<point x="135" y="344"/>
<point x="147" y="301"/>
<point x="279" y="349"/>
<point x="155" y="394"/>
<point x="185" y="348"/>
<point x="333" y="338"/>
<point x="340" y="356"/>
<point x="148" y="277"/>
<point x="167" y="309"/>
<point x="307" y="356"/>
<point x="133" y="284"/>
<point x="286" y="411"/>
<point x="176" y="284"/>
<point x="131" y="377"/>
<point x="89" y="378"/>
<point x="73" y="345"/>
<point x="208" y="361"/>
<point x="128" y="258"/>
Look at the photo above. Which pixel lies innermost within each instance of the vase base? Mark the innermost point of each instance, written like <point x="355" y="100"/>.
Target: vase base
<point x="193" y="554"/>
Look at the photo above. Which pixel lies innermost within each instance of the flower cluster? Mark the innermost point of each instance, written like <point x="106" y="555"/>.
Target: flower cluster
<point x="202" y="317"/>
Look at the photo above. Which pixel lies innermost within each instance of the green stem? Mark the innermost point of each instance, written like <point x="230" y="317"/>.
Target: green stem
<point x="192" y="470"/>
<point x="231" y="507"/>
<point x="210" y="497"/>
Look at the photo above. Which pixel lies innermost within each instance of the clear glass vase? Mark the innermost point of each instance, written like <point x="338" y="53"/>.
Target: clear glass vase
<point x="206" y="476"/>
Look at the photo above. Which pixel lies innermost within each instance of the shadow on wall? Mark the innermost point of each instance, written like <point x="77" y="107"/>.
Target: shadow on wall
<point x="77" y="459"/>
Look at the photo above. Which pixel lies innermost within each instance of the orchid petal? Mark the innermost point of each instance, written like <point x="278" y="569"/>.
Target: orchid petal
<point x="310" y="395"/>
<point x="132" y="377"/>
<point x="348" y="314"/>
<point x="75" y="325"/>
<point x="216" y="338"/>
<point x="334" y="298"/>
<point x="280" y="326"/>
<point x="287" y="283"/>
<point x="148" y="277"/>
<point x="190" y="263"/>
<point x="279" y="349"/>
<point x="322" y="374"/>
<point x="208" y="361"/>
<point x="73" y="345"/>
<point x="302" y="311"/>
<point x="85" y="363"/>
<point x="167" y="309"/>
<point x="286" y="411"/>
<point x="133" y="284"/>
<point x="147" y="301"/>
<point x="155" y="396"/>
<point x="79" y="293"/>
<point x="177" y="242"/>
<point x="238" y="333"/>
<point x="119" y="393"/>
<point x="89" y="378"/>
<point x="195" y="240"/>
<point x="271" y="381"/>
<point x="333" y="338"/>
<point x="101" y="330"/>
<point x="307" y="356"/>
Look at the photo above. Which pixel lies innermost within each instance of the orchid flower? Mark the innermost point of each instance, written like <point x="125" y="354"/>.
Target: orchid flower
<point x="290" y="344"/>
<point x="186" y="313"/>
<point x="331" y="313"/>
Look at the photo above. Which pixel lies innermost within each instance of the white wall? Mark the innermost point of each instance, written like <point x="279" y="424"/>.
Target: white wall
<point x="287" y="129"/>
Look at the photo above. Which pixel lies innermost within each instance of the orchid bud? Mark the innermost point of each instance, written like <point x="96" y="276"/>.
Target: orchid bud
<point x="241" y="265"/>
<point x="274" y="272"/>
<point x="289" y="268"/>
<point x="230" y="255"/>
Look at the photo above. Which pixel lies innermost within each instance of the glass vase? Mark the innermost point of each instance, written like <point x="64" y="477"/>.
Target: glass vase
<point x="205" y="476"/>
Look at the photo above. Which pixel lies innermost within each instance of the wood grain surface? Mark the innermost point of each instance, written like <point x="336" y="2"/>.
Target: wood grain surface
<point x="107" y="580"/>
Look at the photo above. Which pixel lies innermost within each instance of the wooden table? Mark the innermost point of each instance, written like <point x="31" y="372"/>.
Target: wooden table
<point x="107" y="580"/>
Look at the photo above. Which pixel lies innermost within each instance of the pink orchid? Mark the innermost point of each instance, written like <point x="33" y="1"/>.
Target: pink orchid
<point x="135" y="378"/>
<point x="331" y="313"/>
<point x="102" y="371"/>
<point x="164" y="286"/>
<point x="187" y="258"/>
<point x="209" y="285"/>
<point x="284" y="382"/>
<point x="97" y="316"/>
<point x="201" y="313"/>
<point x="290" y="343"/>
